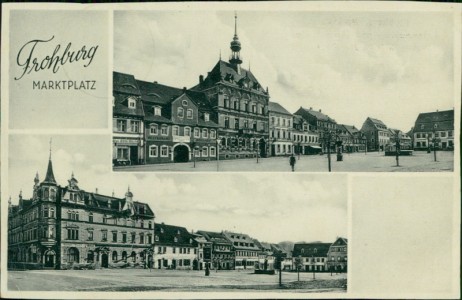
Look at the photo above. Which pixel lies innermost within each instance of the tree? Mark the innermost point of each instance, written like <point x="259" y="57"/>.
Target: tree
<point x="298" y="265"/>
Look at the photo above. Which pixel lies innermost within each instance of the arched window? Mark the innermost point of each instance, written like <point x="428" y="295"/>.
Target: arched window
<point x="73" y="255"/>
<point x="114" y="256"/>
<point x="180" y="112"/>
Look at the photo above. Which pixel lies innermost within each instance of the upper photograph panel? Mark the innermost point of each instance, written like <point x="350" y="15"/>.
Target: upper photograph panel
<point x="271" y="91"/>
<point x="58" y="74"/>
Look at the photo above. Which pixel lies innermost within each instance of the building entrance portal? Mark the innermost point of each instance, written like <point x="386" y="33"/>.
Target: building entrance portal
<point x="104" y="260"/>
<point x="181" y="154"/>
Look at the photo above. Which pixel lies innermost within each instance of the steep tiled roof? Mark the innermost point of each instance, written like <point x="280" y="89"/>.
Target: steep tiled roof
<point x="311" y="249"/>
<point x="276" y="107"/>
<point x="173" y="235"/>
<point x="154" y="92"/>
<point x="340" y="242"/>
<point x="377" y="123"/>
<point x="225" y="71"/>
<point x="317" y="114"/>
<point x="426" y="121"/>
<point x="113" y="204"/>
<point x="125" y="83"/>
<point x="244" y="241"/>
<point x="121" y="107"/>
<point x="215" y="237"/>
<point x="351" y="129"/>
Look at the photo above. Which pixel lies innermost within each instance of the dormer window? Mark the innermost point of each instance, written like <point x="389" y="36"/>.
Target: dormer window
<point x="157" y="110"/>
<point x="206" y="117"/>
<point x="435" y="126"/>
<point x="131" y="103"/>
<point x="175" y="239"/>
<point x="184" y="102"/>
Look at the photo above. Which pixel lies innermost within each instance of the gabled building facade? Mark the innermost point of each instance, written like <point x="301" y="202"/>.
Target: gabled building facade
<point x="376" y="133"/>
<point x="61" y="227"/>
<point x="306" y="141"/>
<point x="352" y="139"/>
<point x="245" y="249"/>
<point x="172" y="125"/>
<point x="222" y="252"/>
<point x="240" y="106"/>
<point x="437" y="125"/>
<point x="174" y="248"/>
<point x="338" y="256"/>
<point x="319" y="122"/>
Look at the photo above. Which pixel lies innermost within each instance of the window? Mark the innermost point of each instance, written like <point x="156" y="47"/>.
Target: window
<point x="236" y="123"/>
<point x="157" y="110"/>
<point x="135" y="126"/>
<point x="114" y="236"/>
<point x="104" y="235"/>
<point x="213" y="134"/>
<point x="156" y="238"/>
<point x="153" y="151"/>
<point x="131" y="103"/>
<point x="121" y="125"/>
<point x="226" y="122"/>
<point x="122" y="153"/>
<point x="133" y="237"/>
<point x="174" y="250"/>
<point x="272" y="120"/>
<point x="164" y="130"/>
<point x="149" y="239"/>
<point x="141" y="238"/>
<point x="212" y="151"/>
<point x="443" y="134"/>
<point x="124" y="237"/>
<point x="164" y="151"/>
<point x="206" y="117"/>
<point x="90" y="235"/>
<point x="196" y="132"/>
<point x="150" y="225"/>
<point x="175" y="240"/>
<point x="180" y="112"/>
<point x="72" y="233"/>
<point x="52" y="212"/>
<point x="204" y="151"/>
<point x="205" y="133"/>
<point x="187" y="131"/>
<point x="105" y="219"/>
<point x="153" y="129"/>
<point x="189" y="113"/>
<point x="90" y="217"/>
<point x="175" y="130"/>
<point x="450" y="133"/>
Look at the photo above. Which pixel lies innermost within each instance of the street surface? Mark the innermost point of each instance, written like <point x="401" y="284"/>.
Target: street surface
<point x="171" y="280"/>
<point x="420" y="161"/>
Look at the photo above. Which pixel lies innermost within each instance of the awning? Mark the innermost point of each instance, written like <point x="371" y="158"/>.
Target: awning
<point x="314" y="147"/>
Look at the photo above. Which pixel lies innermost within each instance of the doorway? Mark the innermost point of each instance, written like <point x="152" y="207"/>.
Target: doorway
<point x="181" y="154"/>
<point x="134" y="155"/>
<point x="104" y="260"/>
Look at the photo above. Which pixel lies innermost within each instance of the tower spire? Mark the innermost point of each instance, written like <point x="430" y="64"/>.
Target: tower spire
<point x="50" y="177"/>
<point x="235" y="58"/>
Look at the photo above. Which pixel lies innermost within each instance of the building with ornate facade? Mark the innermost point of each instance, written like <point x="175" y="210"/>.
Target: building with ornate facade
<point x="240" y="106"/>
<point x="434" y="127"/>
<point x="63" y="226"/>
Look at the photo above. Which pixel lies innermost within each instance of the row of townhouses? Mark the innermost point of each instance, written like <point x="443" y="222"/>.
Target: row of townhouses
<point x="229" y="115"/>
<point x="63" y="227"/>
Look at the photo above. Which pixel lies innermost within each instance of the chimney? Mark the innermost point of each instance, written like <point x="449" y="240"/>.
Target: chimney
<point x="155" y="82"/>
<point x="201" y="78"/>
<point x="319" y="110"/>
<point x="96" y="191"/>
<point x="184" y="89"/>
<point x="311" y="108"/>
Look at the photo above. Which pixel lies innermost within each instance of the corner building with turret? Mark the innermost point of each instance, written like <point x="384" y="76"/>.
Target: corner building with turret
<point x="63" y="227"/>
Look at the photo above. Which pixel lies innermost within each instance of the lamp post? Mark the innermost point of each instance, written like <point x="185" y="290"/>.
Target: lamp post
<point x="217" y="153"/>
<point x="397" y="148"/>
<point x="299" y="148"/>
<point x="435" y="141"/>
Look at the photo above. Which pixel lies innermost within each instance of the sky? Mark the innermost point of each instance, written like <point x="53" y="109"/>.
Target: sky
<point x="271" y="207"/>
<point x="351" y="65"/>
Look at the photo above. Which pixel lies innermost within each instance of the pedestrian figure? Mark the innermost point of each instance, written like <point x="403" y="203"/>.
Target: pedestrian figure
<point x="292" y="162"/>
<point x="207" y="271"/>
